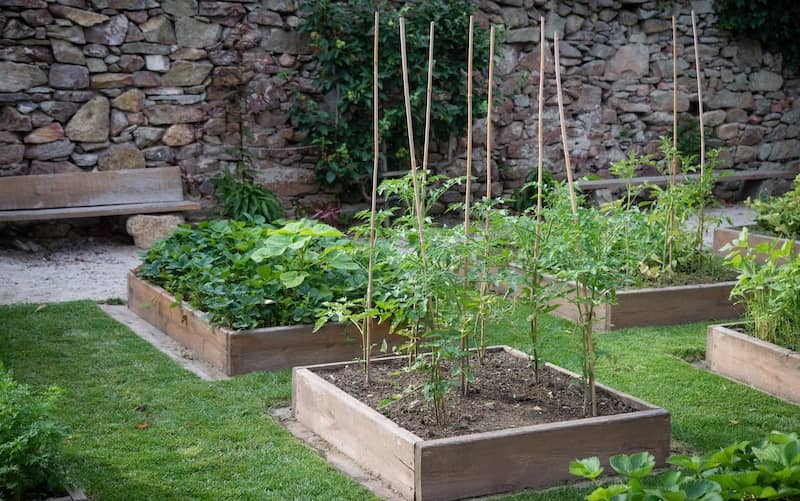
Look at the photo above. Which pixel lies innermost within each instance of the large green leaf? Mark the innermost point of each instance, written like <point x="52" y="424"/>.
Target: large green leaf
<point x="292" y="279"/>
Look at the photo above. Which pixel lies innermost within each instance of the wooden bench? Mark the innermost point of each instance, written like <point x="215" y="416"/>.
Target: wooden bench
<point x="720" y="176"/>
<point x="92" y="194"/>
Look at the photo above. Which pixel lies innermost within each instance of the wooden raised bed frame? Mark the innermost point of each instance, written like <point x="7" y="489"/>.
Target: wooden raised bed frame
<point x="238" y="352"/>
<point x="724" y="236"/>
<point x="475" y="464"/>
<point x="680" y="304"/>
<point x="756" y="363"/>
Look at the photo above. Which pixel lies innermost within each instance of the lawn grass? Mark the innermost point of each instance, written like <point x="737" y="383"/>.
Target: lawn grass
<point x="215" y="440"/>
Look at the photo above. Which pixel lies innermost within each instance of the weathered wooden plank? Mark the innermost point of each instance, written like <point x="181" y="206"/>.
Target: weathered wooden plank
<point x="672" y="305"/>
<point x="373" y="441"/>
<point x="296" y="345"/>
<point x="239" y="352"/>
<point x="762" y="365"/>
<point x="96" y="211"/>
<point x="720" y="177"/>
<point x="724" y="236"/>
<point x="83" y="189"/>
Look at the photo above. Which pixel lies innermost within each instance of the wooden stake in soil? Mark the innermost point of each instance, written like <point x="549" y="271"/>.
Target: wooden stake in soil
<point x="674" y="167"/>
<point x="468" y="194"/>
<point x="427" y="114"/>
<point x="411" y="150"/>
<point x="699" y="72"/>
<point x="375" y="157"/>
<point x="580" y="287"/>
<point x="464" y="343"/>
<point x="539" y="179"/>
<point x="489" y="97"/>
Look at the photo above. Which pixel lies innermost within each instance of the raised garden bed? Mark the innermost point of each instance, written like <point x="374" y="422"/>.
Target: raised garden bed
<point x="724" y="236"/>
<point x="238" y="352"/>
<point x="673" y="305"/>
<point x="754" y="362"/>
<point x="473" y="464"/>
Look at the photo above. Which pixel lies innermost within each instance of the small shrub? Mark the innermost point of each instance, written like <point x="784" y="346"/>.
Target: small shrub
<point x="524" y="197"/>
<point x="30" y="441"/>
<point x="780" y="215"/>
<point x="765" y="469"/>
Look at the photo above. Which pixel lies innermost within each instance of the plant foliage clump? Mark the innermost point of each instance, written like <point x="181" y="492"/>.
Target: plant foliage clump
<point x="341" y="35"/>
<point x="30" y="440"/>
<point x="764" y="469"/>
<point x="769" y="291"/>
<point x="780" y="215"/>
<point x="771" y="22"/>
<point x="249" y="276"/>
<point x="244" y="200"/>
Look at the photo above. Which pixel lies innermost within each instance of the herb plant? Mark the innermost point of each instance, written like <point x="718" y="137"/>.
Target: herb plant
<point x="764" y="469"/>
<point x="780" y="215"/>
<point x="248" y="276"/>
<point x="30" y="440"/>
<point x="770" y="292"/>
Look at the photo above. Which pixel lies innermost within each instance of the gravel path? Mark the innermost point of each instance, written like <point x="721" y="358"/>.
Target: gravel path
<point x="88" y="269"/>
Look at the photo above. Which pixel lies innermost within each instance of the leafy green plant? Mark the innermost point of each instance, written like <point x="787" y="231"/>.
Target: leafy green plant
<point x="770" y="292"/>
<point x="771" y="22"/>
<point x="30" y="439"/>
<point x="244" y="200"/>
<point x="341" y="38"/>
<point x="524" y="197"/>
<point x="246" y="275"/>
<point x="780" y="215"/>
<point x="765" y="469"/>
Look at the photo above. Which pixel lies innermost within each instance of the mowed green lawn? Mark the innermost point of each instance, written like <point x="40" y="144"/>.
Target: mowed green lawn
<point x="143" y="428"/>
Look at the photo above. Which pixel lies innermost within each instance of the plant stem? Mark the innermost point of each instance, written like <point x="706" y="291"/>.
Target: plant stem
<point x="585" y="310"/>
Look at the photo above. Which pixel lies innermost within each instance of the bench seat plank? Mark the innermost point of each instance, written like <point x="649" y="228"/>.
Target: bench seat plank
<point x="720" y="177"/>
<point x="84" y="189"/>
<point x="96" y="211"/>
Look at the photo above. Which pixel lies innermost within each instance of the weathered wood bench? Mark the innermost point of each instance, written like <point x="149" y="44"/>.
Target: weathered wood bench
<point x="720" y="177"/>
<point x="92" y="194"/>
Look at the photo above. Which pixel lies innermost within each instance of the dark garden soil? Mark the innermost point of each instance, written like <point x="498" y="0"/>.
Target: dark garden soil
<point x="502" y="395"/>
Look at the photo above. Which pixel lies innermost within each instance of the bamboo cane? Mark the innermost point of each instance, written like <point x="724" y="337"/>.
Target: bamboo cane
<point x="375" y="158"/>
<point x="581" y="288"/>
<point x="427" y="114"/>
<point x="469" y="126"/>
<point x="539" y="179"/>
<point x="698" y="71"/>
<point x="411" y="150"/>
<point x="489" y="94"/>
<point x="674" y="169"/>
<point x="465" y="335"/>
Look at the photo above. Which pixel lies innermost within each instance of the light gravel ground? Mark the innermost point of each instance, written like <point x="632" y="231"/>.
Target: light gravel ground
<point x="87" y="269"/>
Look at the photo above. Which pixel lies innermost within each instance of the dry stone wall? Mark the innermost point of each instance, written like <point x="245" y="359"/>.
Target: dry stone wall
<point x="127" y="84"/>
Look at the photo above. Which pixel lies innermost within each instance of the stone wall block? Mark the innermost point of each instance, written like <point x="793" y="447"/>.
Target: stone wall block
<point x="91" y="123"/>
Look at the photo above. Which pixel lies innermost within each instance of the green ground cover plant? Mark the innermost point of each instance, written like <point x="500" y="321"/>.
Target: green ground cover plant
<point x="247" y="275"/>
<point x="763" y="469"/>
<point x="770" y="291"/>
<point x="214" y="440"/>
<point x="779" y="215"/>
<point x="31" y="441"/>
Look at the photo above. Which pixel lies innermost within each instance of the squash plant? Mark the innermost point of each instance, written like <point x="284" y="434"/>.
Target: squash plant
<point x="780" y="215"/>
<point x="764" y="469"/>
<point x="247" y="276"/>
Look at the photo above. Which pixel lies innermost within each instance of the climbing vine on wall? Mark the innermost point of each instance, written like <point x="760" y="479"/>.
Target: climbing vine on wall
<point x="774" y="23"/>
<point x="341" y="35"/>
